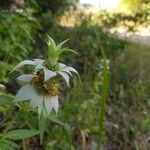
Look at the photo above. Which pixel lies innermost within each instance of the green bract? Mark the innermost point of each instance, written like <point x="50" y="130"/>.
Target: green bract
<point x="54" y="50"/>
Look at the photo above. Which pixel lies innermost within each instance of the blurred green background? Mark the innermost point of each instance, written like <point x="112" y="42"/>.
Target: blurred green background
<point x="23" y="28"/>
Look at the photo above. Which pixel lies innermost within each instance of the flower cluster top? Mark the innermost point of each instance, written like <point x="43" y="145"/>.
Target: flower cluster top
<point x="43" y="87"/>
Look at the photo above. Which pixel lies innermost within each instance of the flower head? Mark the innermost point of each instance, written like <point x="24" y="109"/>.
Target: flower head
<point x="43" y="86"/>
<point x="40" y="93"/>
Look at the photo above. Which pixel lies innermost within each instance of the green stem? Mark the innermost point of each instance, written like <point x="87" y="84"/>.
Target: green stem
<point x="42" y="125"/>
<point x="24" y="144"/>
<point x="102" y="100"/>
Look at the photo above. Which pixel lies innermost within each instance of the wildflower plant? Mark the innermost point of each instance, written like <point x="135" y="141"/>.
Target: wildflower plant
<point x="42" y="87"/>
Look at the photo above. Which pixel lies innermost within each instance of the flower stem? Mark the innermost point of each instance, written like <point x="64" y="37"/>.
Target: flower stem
<point x="102" y="100"/>
<point x="24" y="146"/>
<point x="42" y="125"/>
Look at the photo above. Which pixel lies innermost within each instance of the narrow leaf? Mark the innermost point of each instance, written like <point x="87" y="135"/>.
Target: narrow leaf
<point x="6" y="100"/>
<point x="59" y="122"/>
<point x="5" y="146"/>
<point x="21" y="134"/>
<point x="67" y="49"/>
<point x="51" y="41"/>
<point x="11" y="143"/>
<point x="61" y="44"/>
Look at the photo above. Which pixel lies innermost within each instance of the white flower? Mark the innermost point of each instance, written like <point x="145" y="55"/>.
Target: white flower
<point x="43" y="87"/>
<point x="28" y="92"/>
<point x="63" y="70"/>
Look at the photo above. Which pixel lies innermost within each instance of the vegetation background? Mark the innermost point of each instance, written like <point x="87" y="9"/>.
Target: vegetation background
<point x="23" y="26"/>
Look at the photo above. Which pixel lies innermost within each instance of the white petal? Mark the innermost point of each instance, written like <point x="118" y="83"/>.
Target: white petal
<point x="67" y="72"/>
<point x="39" y="61"/>
<point x="40" y="108"/>
<point x="55" y="103"/>
<point x="26" y="77"/>
<point x="39" y="67"/>
<point x="48" y="74"/>
<point x="24" y="62"/>
<point x="48" y="104"/>
<point x="65" y="76"/>
<point x="61" y="66"/>
<point x="70" y="69"/>
<point x="25" y="93"/>
<point x="36" y="100"/>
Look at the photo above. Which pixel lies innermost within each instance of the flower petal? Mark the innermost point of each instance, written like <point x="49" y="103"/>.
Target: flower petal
<point x="61" y="65"/>
<point x="70" y="69"/>
<point x="48" y="74"/>
<point x="48" y="104"/>
<point x="26" y="77"/>
<point x="39" y="61"/>
<point x="62" y="68"/>
<point x="39" y="67"/>
<point x="25" y="93"/>
<point x="40" y="108"/>
<point x="65" y="76"/>
<point x="24" y="62"/>
<point x="36" y="100"/>
<point x="55" y="103"/>
<point x="67" y="72"/>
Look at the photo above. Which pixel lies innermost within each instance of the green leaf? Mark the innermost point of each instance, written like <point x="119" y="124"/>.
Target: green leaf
<point x="11" y="143"/>
<point x="61" y="44"/>
<point x="59" y="122"/>
<point x="51" y="41"/>
<point x="5" y="146"/>
<point x="6" y="100"/>
<point x="67" y="49"/>
<point x="42" y="125"/>
<point x="20" y="134"/>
